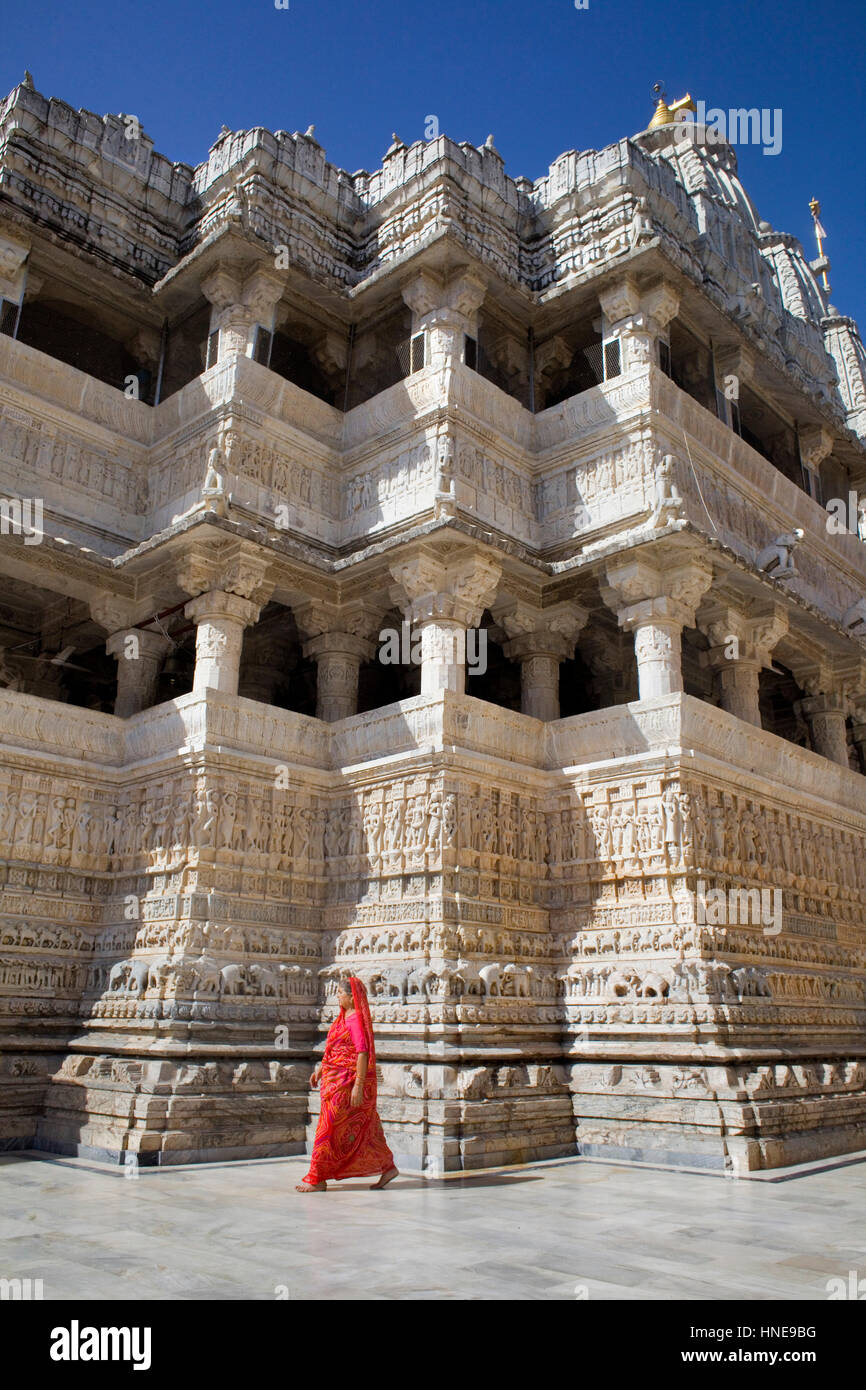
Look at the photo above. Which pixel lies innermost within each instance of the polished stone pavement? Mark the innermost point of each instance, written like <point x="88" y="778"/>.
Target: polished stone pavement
<point x="563" y="1230"/>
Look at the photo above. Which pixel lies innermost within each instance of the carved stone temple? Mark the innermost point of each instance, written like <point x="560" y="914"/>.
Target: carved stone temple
<point x="602" y="867"/>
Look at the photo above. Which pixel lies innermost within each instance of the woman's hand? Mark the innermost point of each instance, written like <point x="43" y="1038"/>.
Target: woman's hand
<point x="314" y="1079"/>
<point x="357" y="1097"/>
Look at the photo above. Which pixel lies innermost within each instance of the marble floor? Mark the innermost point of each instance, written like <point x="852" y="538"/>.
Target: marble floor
<point x="566" y="1230"/>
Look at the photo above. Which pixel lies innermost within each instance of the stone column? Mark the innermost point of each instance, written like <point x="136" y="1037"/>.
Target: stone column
<point x="239" y="304"/>
<point x="833" y="688"/>
<point x="221" y="619"/>
<point x="445" y="311"/>
<point x="338" y="657"/>
<point x="443" y="598"/>
<point x="230" y="589"/>
<point x="540" y="639"/>
<point x="816" y="445"/>
<point x="638" y="318"/>
<point x="139" y="654"/>
<point x="338" y="639"/>
<point x="734" y="364"/>
<point x="740" y="648"/>
<point x="655" y="596"/>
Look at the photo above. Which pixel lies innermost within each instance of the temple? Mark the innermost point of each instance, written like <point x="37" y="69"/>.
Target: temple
<point x="594" y="839"/>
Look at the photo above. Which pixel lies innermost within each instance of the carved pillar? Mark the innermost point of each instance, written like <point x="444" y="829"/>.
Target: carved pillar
<point x="826" y="715"/>
<point x="540" y="639"/>
<point x="230" y="588"/>
<point x="829" y="689"/>
<point x="445" y="312"/>
<point x="139" y="653"/>
<point x="442" y="599"/>
<point x="816" y="445"/>
<point x="221" y="619"/>
<point x="139" y="656"/>
<point x="740" y="648"/>
<point x="338" y="640"/>
<point x="734" y="365"/>
<point x="655" y="597"/>
<point x="239" y="305"/>
<point x="638" y="318"/>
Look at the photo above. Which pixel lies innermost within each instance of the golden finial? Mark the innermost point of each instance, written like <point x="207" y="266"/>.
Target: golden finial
<point x="665" y="114"/>
<point x="821" y="265"/>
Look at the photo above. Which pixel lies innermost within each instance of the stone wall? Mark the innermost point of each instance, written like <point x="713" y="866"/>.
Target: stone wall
<point x="527" y="920"/>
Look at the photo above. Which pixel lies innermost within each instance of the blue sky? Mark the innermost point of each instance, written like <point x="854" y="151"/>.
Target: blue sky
<point x="541" y="76"/>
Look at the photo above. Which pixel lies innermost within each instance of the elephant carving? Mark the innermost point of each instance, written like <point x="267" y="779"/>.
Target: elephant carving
<point x="421" y="980"/>
<point x="233" y="979"/>
<point x="117" y="975"/>
<point x="518" y="978"/>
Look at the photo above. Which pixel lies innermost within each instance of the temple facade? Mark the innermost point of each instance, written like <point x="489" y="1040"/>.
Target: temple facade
<point x="441" y="577"/>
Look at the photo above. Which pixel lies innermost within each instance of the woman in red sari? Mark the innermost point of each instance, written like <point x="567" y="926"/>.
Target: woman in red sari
<point x="349" y="1141"/>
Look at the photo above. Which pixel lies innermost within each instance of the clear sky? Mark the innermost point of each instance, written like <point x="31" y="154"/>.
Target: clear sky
<point x="541" y="75"/>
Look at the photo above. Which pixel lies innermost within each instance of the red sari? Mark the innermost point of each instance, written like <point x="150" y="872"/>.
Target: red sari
<point x="349" y="1141"/>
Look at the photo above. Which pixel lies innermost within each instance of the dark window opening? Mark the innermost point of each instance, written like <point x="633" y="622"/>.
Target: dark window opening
<point x="262" y="345"/>
<point x="291" y="359"/>
<point x="50" y="330"/>
<point x="8" y="317"/>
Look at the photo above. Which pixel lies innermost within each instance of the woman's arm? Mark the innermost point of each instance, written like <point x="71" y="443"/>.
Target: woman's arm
<point x="360" y="1078"/>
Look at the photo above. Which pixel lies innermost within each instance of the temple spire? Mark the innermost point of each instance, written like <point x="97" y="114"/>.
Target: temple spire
<point x="822" y="264"/>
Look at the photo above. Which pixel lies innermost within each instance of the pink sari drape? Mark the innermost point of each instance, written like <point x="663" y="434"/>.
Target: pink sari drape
<point x="349" y="1141"/>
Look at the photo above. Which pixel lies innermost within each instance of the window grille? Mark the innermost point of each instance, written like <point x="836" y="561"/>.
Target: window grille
<point x="213" y="349"/>
<point x="8" y="317"/>
<point x="262" y="345"/>
<point x="612" y="359"/>
<point x="418" y="355"/>
<point x="665" y="357"/>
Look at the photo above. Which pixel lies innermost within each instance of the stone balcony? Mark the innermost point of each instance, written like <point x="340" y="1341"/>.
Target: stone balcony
<point x="576" y="477"/>
<point x="675" y="729"/>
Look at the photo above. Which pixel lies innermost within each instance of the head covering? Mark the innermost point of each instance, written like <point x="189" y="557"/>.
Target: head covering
<point x="362" y="1009"/>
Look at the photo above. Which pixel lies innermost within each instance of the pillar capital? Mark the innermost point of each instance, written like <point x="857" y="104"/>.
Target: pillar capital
<point x="540" y="639"/>
<point x="458" y="589"/>
<point x="239" y="303"/>
<point x="741" y="646"/>
<point x="443" y="594"/>
<point x="218" y="604"/>
<point x="139" y="654"/>
<point x="116" y="613"/>
<point x="655" y="594"/>
<point x="816" y="444"/>
<point x="359" y="618"/>
<point x="638" y="316"/>
<point x="221" y="618"/>
<point x="446" y="309"/>
<point x="240" y="570"/>
<point x="661" y="585"/>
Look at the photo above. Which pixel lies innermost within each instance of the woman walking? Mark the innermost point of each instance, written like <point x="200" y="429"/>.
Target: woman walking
<point x="349" y="1141"/>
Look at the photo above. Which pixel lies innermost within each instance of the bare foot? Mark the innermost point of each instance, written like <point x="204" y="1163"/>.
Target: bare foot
<point x="391" y="1174"/>
<point x="312" y="1187"/>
